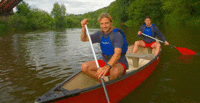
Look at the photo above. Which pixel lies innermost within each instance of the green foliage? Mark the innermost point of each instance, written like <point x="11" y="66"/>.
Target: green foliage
<point x="56" y="12"/>
<point x="59" y="13"/>
<point x="93" y="17"/>
<point x="36" y="19"/>
<point x="129" y="23"/>
<point x="118" y="12"/>
<point x="181" y="11"/>
<point x="73" y="21"/>
<point x="4" y="26"/>
<point x="133" y="12"/>
<point x="18" y="22"/>
<point x="139" y="9"/>
<point x="194" y="21"/>
<point x="39" y="19"/>
<point x="195" y="8"/>
<point x="23" y="9"/>
<point x="175" y="13"/>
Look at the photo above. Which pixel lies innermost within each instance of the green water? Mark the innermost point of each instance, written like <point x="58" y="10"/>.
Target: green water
<point x="32" y="63"/>
<point x="176" y="78"/>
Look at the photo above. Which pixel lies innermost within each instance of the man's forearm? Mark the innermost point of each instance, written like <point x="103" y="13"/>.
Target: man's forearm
<point x="160" y="34"/>
<point x="83" y="35"/>
<point x="113" y="60"/>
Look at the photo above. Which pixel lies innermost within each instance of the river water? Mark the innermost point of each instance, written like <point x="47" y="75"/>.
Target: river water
<point x="32" y="63"/>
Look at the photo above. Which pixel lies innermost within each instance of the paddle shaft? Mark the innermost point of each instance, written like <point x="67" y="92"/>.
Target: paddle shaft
<point x="95" y="58"/>
<point x="102" y="81"/>
<point x="156" y="39"/>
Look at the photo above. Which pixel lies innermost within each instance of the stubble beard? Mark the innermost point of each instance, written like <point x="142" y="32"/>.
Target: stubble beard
<point x="108" y="29"/>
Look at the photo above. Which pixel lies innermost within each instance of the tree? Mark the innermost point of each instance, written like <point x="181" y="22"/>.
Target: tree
<point x="63" y="10"/>
<point x="39" y="19"/>
<point x="23" y="9"/>
<point x="56" y="12"/>
<point x="181" y="11"/>
<point x="117" y="10"/>
<point x="59" y="13"/>
<point x="19" y="22"/>
<point x="30" y="19"/>
<point x="139" y="9"/>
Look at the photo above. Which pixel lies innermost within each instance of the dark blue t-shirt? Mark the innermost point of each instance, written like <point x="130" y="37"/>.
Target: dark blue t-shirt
<point x="118" y="43"/>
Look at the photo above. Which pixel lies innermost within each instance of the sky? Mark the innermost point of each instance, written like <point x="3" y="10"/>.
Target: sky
<point x="72" y="6"/>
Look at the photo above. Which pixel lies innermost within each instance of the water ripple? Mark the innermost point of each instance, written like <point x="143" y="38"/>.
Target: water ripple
<point x="33" y="63"/>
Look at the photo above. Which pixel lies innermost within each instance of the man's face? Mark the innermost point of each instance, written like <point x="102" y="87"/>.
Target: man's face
<point x="105" y="25"/>
<point x="147" y="21"/>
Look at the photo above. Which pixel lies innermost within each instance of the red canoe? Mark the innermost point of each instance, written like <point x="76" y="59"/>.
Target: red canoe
<point x="79" y="88"/>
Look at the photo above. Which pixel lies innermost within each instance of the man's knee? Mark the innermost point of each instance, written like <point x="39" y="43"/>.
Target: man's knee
<point x="84" y="67"/>
<point x="137" y="43"/>
<point x="158" y="45"/>
<point x="116" y="70"/>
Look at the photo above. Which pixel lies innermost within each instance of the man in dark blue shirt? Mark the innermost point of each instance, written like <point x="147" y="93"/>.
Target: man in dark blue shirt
<point x="114" y="62"/>
<point x="150" y="30"/>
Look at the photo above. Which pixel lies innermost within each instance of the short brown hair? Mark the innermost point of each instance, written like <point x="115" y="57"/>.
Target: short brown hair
<point x="105" y="15"/>
<point x="147" y="17"/>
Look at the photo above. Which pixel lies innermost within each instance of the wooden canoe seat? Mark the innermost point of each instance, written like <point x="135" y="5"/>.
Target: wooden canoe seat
<point x="149" y="50"/>
<point x="144" y="54"/>
<point x="135" y="57"/>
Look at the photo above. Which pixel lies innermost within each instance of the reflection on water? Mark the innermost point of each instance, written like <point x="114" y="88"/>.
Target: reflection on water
<point x="186" y="58"/>
<point x="33" y="63"/>
<point x="176" y="78"/>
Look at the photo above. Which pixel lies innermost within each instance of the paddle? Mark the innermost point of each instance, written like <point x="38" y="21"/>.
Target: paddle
<point x="182" y="50"/>
<point x="102" y="81"/>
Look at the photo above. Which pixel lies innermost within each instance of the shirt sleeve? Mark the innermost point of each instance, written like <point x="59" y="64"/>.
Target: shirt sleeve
<point x="159" y="34"/>
<point x="140" y="30"/>
<point x="95" y="37"/>
<point x="118" y="40"/>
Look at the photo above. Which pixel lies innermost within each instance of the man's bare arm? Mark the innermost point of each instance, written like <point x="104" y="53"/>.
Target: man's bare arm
<point x="116" y="56"/>
<point x="84" y="37"/>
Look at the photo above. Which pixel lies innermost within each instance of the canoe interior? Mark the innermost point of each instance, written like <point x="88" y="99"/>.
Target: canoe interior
<point x="81" y="80"/>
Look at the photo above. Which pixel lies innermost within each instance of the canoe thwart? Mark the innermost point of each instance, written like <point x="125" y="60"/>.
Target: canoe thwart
<point x="143" y="56"/>
<point x="135" y="57"/>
